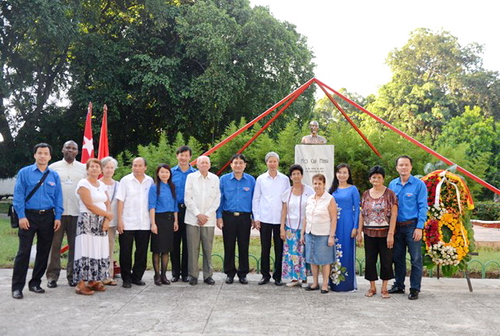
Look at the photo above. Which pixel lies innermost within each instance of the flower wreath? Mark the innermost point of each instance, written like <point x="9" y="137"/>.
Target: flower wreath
<point x="448" y="234"/>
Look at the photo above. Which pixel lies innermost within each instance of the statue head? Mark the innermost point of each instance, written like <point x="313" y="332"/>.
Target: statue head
<point x="314" y="127"/>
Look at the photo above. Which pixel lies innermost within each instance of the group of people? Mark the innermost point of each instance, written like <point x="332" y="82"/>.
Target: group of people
<point x="175" y="214"/>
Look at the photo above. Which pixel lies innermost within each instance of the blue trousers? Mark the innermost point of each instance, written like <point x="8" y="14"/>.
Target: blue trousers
<point x="403" y="239"/>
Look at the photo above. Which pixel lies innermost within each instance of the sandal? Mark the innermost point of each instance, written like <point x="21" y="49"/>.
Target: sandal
<point x="110" y="282"/>
<point x="96" y="286"/>
<point x="370" y="293"/>
<point x="385" y="295"/>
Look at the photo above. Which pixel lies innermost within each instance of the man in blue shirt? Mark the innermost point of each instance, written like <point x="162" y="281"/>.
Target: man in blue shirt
<point x="412" y="215"/>
<point x="41" y="215"/>
<point x="179" y="175"/>
<point x="234" y="217"/>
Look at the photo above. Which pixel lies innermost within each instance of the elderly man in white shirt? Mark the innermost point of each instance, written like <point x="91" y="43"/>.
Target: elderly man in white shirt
<point x="202" y="198"/>
<point x="266" y="208"/>
<point x="133" y="222"/>
<point x="71" y="172"/>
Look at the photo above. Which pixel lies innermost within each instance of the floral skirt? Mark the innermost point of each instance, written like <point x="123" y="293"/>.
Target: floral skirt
<point x="294" y="262"/>
<point x="91" y="249"/>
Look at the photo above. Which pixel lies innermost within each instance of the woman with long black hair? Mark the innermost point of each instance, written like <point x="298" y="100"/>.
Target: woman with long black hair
<point x="163" y="211"/>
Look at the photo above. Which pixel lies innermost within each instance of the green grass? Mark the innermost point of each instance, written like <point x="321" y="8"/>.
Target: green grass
<point x="9" y="244"/>
<point x="4" y="206"/>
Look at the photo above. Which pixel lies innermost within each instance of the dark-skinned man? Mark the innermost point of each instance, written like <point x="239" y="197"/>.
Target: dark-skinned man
<point x="70" y="172"/>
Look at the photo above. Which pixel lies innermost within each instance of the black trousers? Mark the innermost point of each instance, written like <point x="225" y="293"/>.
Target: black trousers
<point x="236" y="228"/>
<point x="268" y="231"/>
<point x="179" y="254"/>
<point x="43" y="226"/>
<point x="375" y="247"/>
<point x="127" y="238"/>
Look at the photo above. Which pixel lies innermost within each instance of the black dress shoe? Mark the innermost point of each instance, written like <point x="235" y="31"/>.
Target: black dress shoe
<point x="209" y="281"/>
<point x="138" y="282"/>
<point x="243" y="281"/>
<point x="52" y="284"/>
<point x="185" y="279"/>
<point x="413" y="294"/>
<point x="174" y="279"/>
<point x="396" y="290"/>
<point x="311" y="288"/>
<point x="263" y="281"/>
<point x="127" y="284"/>
<point x="17" y="294"/>
<point x="72" y="283"/>
<point x="229" y="280"/>
<point x="164" y="280"/>
<point x="193" y="281"/>
<point x="278" y="283"/>
<point x="36" y="289"/>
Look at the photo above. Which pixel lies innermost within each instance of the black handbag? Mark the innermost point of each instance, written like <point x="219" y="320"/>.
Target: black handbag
<point x="14" y="219"/>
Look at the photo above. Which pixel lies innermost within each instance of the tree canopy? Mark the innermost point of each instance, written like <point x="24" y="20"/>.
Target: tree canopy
<point x="193" y="71"/>
<point x="162" y="67"/>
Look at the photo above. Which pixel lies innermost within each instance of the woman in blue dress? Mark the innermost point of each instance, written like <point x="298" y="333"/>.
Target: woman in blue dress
<point x="347" y="197"/>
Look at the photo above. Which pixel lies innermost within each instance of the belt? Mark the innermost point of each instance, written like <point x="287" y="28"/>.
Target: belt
<point x="236" y="214"/>
<point x="39" y="212"/>
<point x="408" y="222"/>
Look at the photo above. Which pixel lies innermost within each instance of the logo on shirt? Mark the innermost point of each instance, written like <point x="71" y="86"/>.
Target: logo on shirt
<point x="51" y="183"/>
<point x="246" y="188"/>
<point x="409" y="195"/>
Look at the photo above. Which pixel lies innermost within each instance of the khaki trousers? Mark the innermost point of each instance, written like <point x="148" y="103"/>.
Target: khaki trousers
<point x="195" y="235"/>
<point x="68" y="226"/>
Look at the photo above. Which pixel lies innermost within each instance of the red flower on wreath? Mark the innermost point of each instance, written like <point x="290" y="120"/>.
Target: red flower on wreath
<point x="432" y="232"/>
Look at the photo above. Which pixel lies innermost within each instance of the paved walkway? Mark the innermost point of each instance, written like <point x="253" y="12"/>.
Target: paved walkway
<point x="445" y="307"/>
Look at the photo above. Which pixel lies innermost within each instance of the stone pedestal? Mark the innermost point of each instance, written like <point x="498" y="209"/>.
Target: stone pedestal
<point x="316" y="159"/>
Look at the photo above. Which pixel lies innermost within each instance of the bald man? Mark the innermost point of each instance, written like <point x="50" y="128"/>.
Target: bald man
<point x="202" y="198"/>
<point x="133" y="223"/>
<point x="70" y="172"/>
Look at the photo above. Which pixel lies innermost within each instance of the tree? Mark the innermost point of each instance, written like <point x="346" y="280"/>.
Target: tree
<point x="434" y="78"/>
<point x="187" y="67"/>
<point x="35" y="40"/>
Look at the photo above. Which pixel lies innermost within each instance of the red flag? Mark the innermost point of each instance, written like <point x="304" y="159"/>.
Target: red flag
<point x="103" y="138"/>
<point x="88" y="141"/>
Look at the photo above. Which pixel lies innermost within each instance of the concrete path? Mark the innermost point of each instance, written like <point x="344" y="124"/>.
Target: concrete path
<point x="445" y="307"/>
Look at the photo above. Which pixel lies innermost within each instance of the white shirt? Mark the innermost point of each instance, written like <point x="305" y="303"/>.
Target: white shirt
<point x="134" y="195"/>
<point x="201" y="196"/>
<point x="98" y="195"/>
<point x="266" y="203"/>
<point x="296" y="210"/>
<point x="70" y="174"/>
<point x="317" y="215"/>
<point x="112" y="191"/>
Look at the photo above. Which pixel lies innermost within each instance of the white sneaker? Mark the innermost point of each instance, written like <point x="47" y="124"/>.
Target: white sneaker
<point x="293" y="284"/>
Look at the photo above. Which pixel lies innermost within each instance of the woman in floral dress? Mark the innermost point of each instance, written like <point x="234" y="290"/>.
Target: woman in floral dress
<point x="292" y="216"/>
<point x="91" y="242"/>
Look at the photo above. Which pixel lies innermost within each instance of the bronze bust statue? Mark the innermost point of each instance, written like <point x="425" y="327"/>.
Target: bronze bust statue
<point x="313" y="138"/>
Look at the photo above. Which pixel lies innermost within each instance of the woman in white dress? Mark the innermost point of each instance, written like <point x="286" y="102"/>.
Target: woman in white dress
<point x="91" y="242"/>
<point x="109" y="166"/>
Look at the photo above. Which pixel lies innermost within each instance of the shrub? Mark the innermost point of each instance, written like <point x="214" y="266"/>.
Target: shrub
<point x="489" y="211"/>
